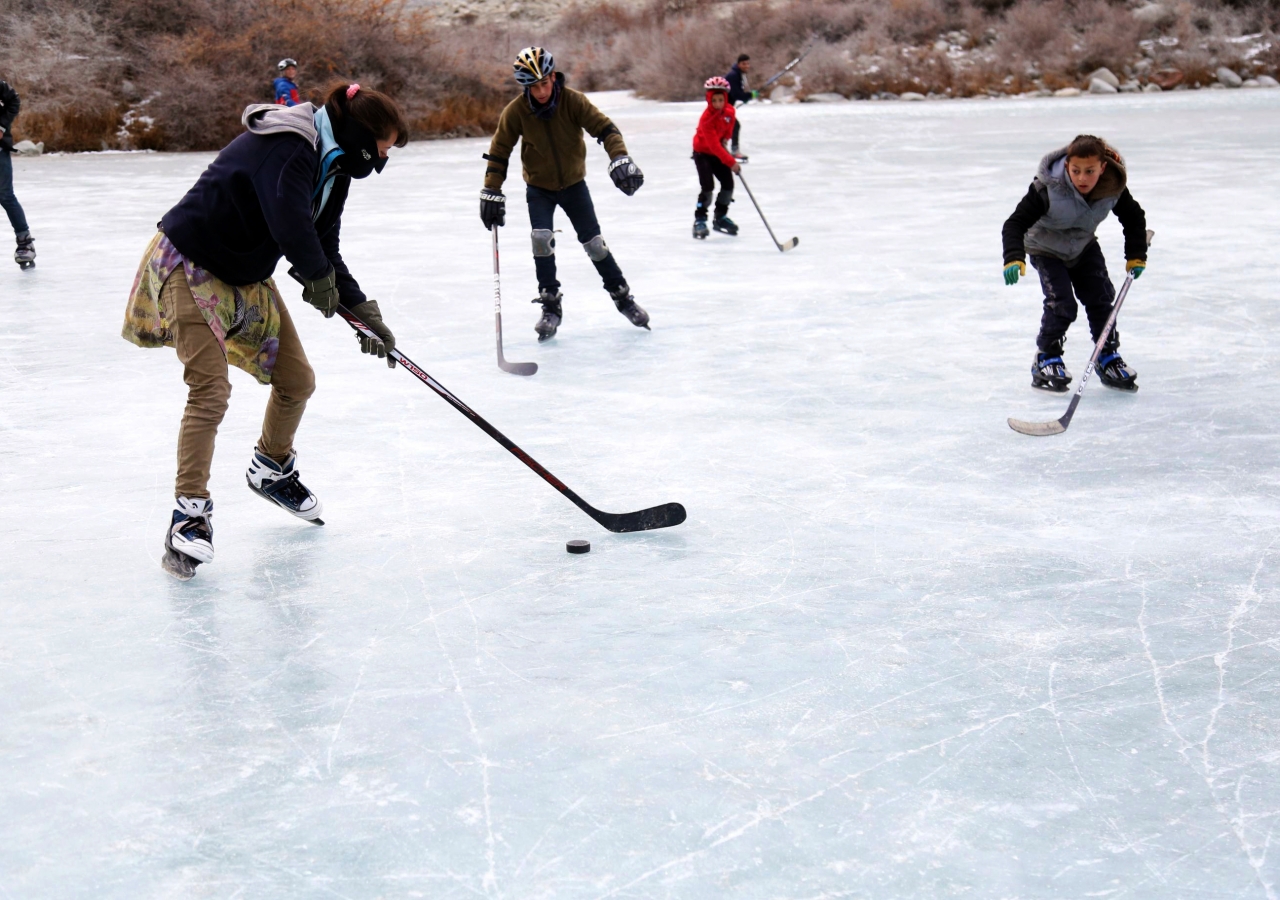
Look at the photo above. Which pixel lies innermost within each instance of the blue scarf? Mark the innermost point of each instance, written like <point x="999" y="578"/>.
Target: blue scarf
<point x="329" y="153"/>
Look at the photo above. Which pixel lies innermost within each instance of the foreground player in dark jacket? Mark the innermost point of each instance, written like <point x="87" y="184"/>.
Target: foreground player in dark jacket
<point x="25" y="255"/>
<point x="548" y="120"/>
<point x="205" y="288"/>
<point x="1075" y="189"/>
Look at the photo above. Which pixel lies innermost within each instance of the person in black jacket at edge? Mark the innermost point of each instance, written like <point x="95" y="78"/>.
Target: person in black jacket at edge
<point x="205" y="288"/>
<point x="1074" y="190"/>
<point x="25" y="255"/>
<point x="739" y="92"/>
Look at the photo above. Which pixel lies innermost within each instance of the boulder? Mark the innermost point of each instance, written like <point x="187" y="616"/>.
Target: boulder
<point x="825" y="97"/>
<point x="1168" y="79"/>
<point x="910" y="95"/>
<point x="1104" y="74"/>
<point x="1267" y="81"/>
<point x="1251" y="83"/>
<point x="1152" y="88"/>
<point x="1228" y="78"/>
<point x="941" y="46"/>
<point x="1098" y="86"/>
<point x="28" y="148"/>
<point x="783" y="94"/>
<point x="1067" y="92"/>
<point x="1151" y="13"/>
<point x="1130" y="87"/>
<point x="1214" y="86"/>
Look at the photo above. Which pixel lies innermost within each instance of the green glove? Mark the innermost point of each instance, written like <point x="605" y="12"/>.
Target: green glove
<point x="1136" y="267"/>
<point x="322" y="293"/>
<point x="382" y="345"/>
<point x="1013" y="270"/>
<point x="755" y="95"/>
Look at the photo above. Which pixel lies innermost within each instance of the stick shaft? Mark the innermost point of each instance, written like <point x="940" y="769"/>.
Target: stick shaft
<point x="772" y="236"/>
<point x="1097" y="350"/>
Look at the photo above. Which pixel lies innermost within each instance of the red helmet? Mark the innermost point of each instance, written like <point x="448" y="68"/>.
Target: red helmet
<point x="716" y="83"/>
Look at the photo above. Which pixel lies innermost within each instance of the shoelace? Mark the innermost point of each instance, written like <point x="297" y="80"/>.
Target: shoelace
<point x="197" y="526"/>
<point x="288" y="488"/>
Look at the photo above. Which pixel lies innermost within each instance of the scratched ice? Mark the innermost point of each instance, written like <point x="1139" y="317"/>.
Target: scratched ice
<point x="896" y="651"/>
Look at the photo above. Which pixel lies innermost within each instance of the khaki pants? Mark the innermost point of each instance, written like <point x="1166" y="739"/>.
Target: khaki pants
<point x="209" y="390"/>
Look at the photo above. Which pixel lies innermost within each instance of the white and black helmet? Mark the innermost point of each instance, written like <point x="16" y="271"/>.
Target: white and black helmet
<point x="533" y="64"/>
<point x="286" y="63"/>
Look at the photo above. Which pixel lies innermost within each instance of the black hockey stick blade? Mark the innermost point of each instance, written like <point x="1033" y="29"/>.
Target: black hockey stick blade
<point x="515" y="368"/>
<point x="664" y="516"/>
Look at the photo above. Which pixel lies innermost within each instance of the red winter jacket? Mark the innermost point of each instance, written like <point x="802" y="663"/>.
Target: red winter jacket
<point x="714" y="128"/>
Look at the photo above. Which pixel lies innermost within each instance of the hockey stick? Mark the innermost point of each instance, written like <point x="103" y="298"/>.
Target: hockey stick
<point x="1057" y="426"/>
<point x="791" y="65"/>
<point x="514" y="368"/>
<point x="782" y="247"/>
<point x="664" y="516"/>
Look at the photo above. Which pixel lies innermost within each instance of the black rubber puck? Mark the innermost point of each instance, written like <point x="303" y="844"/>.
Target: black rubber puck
<point x="578" y="546"/>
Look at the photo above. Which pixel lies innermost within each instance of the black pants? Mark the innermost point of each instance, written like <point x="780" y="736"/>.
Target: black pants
<point x="733" y="142"/>
<point x="1087" y="279"/>
<point x="710" y="170"/>
<point x="575" y="200"/>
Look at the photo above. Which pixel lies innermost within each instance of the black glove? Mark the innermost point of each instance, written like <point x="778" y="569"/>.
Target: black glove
<point x="626" y="175"/>
<point x="493" y="207"/>
<point x="322" y="293"/>
<point x="382" y="345"/>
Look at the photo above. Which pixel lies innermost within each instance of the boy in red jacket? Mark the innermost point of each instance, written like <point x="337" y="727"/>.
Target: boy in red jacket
<point x="714" y="162"/>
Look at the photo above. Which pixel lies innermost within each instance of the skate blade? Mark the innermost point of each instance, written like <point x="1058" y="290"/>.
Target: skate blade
<point x="179" y="565"/>
<point x="1131" y="388"/>
<point x="1048" y="388"/>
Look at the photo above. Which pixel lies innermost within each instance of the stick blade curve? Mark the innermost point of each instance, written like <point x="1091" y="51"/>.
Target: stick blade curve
<point x="515" y="368"/>
<point x="664" y="516"/>
<point x="1037" y="429"/>
<point x="789" y="245"/>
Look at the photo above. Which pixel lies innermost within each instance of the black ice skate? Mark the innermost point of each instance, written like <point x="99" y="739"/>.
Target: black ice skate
<point x="700" y="230"/>
<point x="280" y="485"/>
<point x="552" y="314"/>
<point x="725" y="225"/>
<point x="1115" y="373"/>
<point x="25" y="255"/>
<point x="189" y="538"/>
<point x="1049" y="372"/>
<point x="627" y="305"/>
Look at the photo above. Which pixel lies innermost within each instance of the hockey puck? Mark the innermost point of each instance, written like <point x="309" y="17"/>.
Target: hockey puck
<point x="578" y="546"/>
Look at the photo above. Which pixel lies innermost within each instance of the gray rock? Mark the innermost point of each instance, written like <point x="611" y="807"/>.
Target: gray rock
<point x="1251" y="83"/>
<point x="1151" y="13"/>
<point x="1104" y="74"/>
<point x="941" y="46"/>
<point x="825" y="97"/>
<point x="1227" y="78"/>
<point x="1215" y="86"/>
<point x="1153" y="88"/>
<point x="27" y="148"/>
<point x="1130" y="87"/>
<point x="1098" y="86"/>
<point x="910" y="95"/>
<point x="1267" y="81"/>
<point x="1067" y="92"/>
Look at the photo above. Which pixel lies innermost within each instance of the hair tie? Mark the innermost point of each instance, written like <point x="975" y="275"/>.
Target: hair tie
<point x="351" y="91"/>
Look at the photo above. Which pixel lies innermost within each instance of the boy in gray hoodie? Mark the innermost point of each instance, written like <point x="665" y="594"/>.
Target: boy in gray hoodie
<point x="1075" y="189"/>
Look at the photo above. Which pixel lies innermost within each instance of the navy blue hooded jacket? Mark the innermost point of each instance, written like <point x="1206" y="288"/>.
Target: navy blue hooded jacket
<point x="254" y="204"/>
<point x="738" y="92"/>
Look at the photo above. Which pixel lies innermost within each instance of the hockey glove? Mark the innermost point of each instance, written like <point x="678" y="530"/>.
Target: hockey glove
<point x="1013" y="270"/>
<point x="626" y="175"/>
<point x="1136" y="267"/>
<point x="382" y="345"/>
<point x="493" y="207"/>
<point x="322" y="293"/>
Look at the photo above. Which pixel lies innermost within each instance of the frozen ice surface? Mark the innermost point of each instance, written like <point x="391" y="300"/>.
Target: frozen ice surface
<point x="897" y="651"/>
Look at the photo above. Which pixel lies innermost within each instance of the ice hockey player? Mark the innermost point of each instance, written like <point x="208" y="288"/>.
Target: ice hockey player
<point x="1073" y="192"/>
<point x="205" y="288"/>
<point x="25" y="255"/>
<point x="714" y="162"/>
<point x="548" y="119"/>
<point x="285" y="86"/>
<point x="739" y="92"/>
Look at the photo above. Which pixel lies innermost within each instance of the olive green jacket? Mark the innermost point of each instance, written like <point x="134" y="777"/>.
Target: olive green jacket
<point x="552" y="151"/>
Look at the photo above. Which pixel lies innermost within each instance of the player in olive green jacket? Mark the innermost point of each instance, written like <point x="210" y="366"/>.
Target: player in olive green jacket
<point x="548" y="120"/>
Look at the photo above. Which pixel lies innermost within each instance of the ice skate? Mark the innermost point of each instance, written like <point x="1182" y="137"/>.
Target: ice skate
<point x="1049" y="372"/>
<point x="189" y="538"/>
<point x="627" y="305"/>
<point x="700" y="230"/>
<point x="725" y="225"/>
<point x="25" y="255"/>
<point x="1115" y="373"/>
<point x="552" y="314"/>
<point x="280" y="484"/>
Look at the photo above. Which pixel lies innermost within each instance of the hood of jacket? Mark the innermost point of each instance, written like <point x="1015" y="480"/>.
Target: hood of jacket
<point x="271" y="118"/>
<point x="1053" y="171"/>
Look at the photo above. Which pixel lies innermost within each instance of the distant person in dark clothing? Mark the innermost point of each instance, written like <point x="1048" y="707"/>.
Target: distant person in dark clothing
<point x="739" y="92"/>
<point x="25" y="255"/>
<point x="285" y="87"/>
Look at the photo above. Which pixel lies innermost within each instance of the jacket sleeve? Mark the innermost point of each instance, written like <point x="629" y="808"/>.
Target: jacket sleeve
<point x="283" y="184"/>
<point x="599" y="126"/>
<point x="348" y="288"/>
<point x="11" y="104"/>
<point x="1134" y="222"/>
<point x="1029" y="210"/>
<point x="502" y="146"/>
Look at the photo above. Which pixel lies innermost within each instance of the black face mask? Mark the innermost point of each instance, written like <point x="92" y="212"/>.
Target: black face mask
<point x="359" y="147"/>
